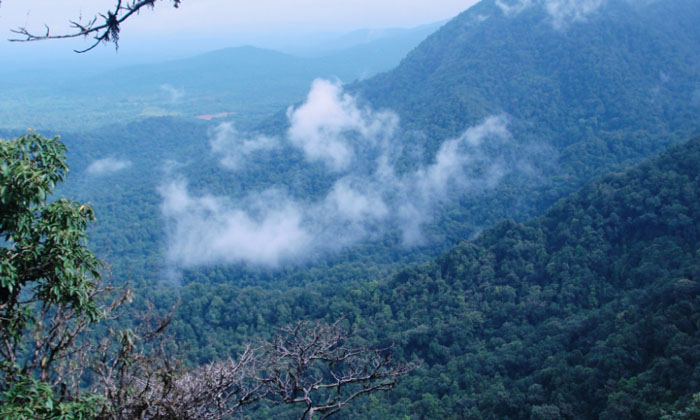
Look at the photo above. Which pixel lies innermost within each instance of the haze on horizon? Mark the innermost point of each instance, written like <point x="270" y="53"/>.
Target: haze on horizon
<point x="201" y="25"/>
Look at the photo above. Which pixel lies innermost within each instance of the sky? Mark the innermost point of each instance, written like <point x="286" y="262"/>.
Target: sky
<point x="219" y="23"/>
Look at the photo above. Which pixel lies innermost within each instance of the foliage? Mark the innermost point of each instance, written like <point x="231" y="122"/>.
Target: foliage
<point x="29" y="399"/>
<point x="691" y="412"/>
<point x="47" y="271"/>
<point x="590" y="310"/>
<point x="53" y="367"/>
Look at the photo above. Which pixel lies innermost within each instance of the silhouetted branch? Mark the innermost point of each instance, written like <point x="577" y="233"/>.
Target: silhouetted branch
<point x="104" y="27"/>
<point x="313" y="365"/>
<point x="308" y="364"/>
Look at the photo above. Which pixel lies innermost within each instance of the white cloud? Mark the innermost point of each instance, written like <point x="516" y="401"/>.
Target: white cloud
<point x="461" y="167"/>
<point x="331" y="127"/>
<point x="355" y="204"/>
<point x="562" y="12"/>
<point x="208" y="230"/>
<point x="235" y="150"/>
<point x="107" y="166"/>
<point x="512" y="8"/>
<point x="175" y="94"/>
<point x="271" y="228"/>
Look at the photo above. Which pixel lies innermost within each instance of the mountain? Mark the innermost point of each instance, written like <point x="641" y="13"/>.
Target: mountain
<point x="246" y="82"/>
<point x="600" y="84"/>
<point x="589" y="311"/>
<point x="401" y="41"/>
<point x="578" y="100"/>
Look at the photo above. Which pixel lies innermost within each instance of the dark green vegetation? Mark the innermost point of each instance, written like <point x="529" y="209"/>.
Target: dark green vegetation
<point x="590" y="311"/>
<point x="46" y="268"/>
<point x="597" y="95"/>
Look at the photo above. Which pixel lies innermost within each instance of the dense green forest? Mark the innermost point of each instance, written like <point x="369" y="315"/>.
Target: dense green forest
<point x="590" y="311"/>
<point x="597" y="97"/>
<point x="557" y="273"/>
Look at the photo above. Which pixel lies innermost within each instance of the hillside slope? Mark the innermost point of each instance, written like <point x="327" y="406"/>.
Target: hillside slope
<point x="590" y="311"/>
<point x="580" y="100"/>
<point x="599" y="90"/>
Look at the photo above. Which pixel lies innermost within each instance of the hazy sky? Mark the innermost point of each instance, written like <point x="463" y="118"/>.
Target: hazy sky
<point x="231" y="16"/>
<point x="202" y="25"/>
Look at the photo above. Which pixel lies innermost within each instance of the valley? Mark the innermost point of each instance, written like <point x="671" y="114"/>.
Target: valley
<point x="509" y="201"/>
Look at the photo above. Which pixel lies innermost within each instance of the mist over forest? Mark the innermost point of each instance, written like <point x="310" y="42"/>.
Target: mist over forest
<point x="506" y="201"/>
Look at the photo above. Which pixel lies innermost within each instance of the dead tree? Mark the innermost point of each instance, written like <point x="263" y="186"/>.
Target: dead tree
<point x="310" y="364"/>
<point x="151" y="384"/>
<point x="314" y="365"/>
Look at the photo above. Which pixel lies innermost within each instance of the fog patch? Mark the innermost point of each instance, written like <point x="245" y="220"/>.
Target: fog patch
<point x="564" y="12"/>
<point x="461" y="167"/>
<point x="561" y="12"/>
<point x="211" y="230"/>
<point x="174" y="93"/>
<point x="107" y="166"/>
<point x="234" y="150"/>
<point x="513" y="8"/>
<point x="271" y="228"/>
<point x="331" y="127"/>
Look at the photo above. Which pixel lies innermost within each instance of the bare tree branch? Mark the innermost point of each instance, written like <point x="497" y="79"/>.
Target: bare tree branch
<point x="104" y="27"/>
<point x="308" y="364"/>
<point x="312" y="364"/>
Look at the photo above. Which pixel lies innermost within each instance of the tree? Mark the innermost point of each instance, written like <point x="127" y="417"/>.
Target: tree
<point x="46" y="267"/>
<point x="53" y="366"/>
<point x="310" y="363"/>
<point x="104" y="27"/>
<point x="48" y="276"/>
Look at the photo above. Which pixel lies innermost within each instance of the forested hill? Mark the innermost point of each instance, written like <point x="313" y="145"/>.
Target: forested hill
<point x="591" y="311"/>
<point x="603" y="86"/>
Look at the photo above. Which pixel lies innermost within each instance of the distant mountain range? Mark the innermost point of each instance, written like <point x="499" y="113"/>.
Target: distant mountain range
<point x="246" y="81"/>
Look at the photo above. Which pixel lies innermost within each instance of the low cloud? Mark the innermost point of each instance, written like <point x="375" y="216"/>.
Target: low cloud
<point x="209" y="230"/>
<point x="107" y="166"/>
<point x="332" y="128"/>
<point x="369" y="197"/>
<point x="461" y="167"/>
<point x="562" y="12"/>
<point x="512" y="8"/>
<point x="175" y="94"/>
<point x="234" y="150"/>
